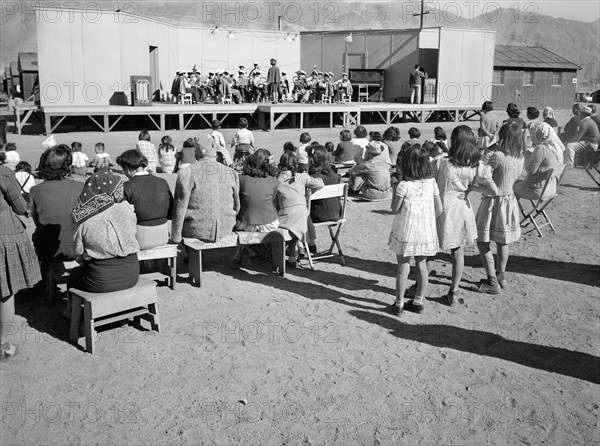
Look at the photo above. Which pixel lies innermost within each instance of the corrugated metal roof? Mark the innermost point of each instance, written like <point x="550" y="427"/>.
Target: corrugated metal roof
<point x="28" y="62"/>
<point x="508" y="56"/>
<point x="14" y="68"/>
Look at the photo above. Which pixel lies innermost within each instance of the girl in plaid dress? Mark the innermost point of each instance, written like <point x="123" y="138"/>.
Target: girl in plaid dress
<point x="19" y="267"/>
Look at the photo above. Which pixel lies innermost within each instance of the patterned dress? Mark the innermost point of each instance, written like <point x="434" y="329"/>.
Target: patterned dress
<point x="414" y="229"/>
<point x="498" y="218"/>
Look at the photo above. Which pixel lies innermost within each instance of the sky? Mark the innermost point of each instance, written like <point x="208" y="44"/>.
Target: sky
<point x="583" y="10"/>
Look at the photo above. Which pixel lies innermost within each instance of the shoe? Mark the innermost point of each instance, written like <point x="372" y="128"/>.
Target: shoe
<point x="396" y="308"/>
<point x="501" y="281"/>
<point x="312" y="249"/>
<point x="489" y="286"/>
<point x="301" y="253"/>
<point x="453" y="297"/>
<point x="293" y="263"/>
<point x="8" y="350"/>
<point x="414" y="308"/>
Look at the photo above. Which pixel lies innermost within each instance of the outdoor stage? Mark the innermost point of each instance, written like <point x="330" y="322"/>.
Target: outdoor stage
<point x="266" y="116"/>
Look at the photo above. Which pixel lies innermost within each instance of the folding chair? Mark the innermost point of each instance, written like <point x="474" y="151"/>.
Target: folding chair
<point x="363" y="93"/>
<point x="538" y="208"/>
<point x="593" y="164"/>
<point x="339" y="191"/>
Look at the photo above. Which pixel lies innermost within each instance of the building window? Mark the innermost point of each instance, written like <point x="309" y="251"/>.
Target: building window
<point x="529" y="78"/>
<point x="557" y="78"/>
<point x="498" y="77"/>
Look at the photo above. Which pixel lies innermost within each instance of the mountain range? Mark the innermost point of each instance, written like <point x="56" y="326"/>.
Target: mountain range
<point x="574" y="40"/>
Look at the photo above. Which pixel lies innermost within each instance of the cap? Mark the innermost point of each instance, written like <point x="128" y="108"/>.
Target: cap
<point x="255" y="63"/>
<point x="49" y="142"/>
<point x="241" y="67"/>
<point x="373" y="150"/>
<point x="211" y="72"/>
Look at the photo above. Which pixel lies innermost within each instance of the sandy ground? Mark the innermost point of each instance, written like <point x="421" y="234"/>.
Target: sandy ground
<point x="251" y="358"/>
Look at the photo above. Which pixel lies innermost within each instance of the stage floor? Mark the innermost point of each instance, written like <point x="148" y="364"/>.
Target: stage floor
<point x="268" y="116"/>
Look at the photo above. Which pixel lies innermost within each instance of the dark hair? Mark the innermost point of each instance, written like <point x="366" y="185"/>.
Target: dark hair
<point x="10" y="146"/>
<point x="431" y="148"/>
<point x="23" y="166"/>
<point x="289" y="147"/>
<point x="487" y="106"/>
<point x="442" y="146"/>
<point x="257" y="165"/>
<point x="144" y="136"/>
<point x="391" y="134"/>
<point x="166" y="144"/>
<point x="55" y="163"/>
<point x="99" y="145"/>
<point x="189" y="143"/>
<point x="511" y="140"/>
<point x="533" y="113"/>
<point x="415" y="163"/>
<point x="243" y="123"/>
<point x="576" y="107"/>
<point x="345" y="135"/>
<point x="132" y="160"/>
<point x="416" y="65"/>
<point x="512" y="110"/>
<point x="76" y="146"/>
<point x="376" y="136"/>
<point x="319" y="161"/>
<point x="463" y="147"/>
<point x="439" y="133"/>
<point x="289" y="161"/>
<point x="593" y="108"/>
<point x="361" y="131"/>
<point x="414" y="133"/>
<point x="2" y="158"/>
<point x="216" y="124"/>
<point x="305" y="138"/>
<point x="329" y="146"/>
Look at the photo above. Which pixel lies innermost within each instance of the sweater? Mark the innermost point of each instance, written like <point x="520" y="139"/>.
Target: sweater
<point x="257" y="200"/>
<point x="12" y="203"/>
<point x="151" y="198"/>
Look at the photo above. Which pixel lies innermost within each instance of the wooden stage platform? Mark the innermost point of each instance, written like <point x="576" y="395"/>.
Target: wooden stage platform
<point x="267" y="116"/>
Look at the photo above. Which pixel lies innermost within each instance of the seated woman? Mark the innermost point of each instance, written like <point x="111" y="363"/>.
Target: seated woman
<point x="329" y="209"/>
<point x="291" y="200"/>
<point x="371" y="177"/>
<point x="50" y="207"/>
<point x="151" y="198"/>
<point x="206" y="198"/>
<point x="104" y="237"/>
<point x="547" y="154"/>
<point x="258" y="188"/>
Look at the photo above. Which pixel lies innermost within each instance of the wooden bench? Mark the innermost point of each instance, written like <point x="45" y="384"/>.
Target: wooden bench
<point x="168" y="252"/>
<point x="195" y="247"/>
<point x="139" y="302"/>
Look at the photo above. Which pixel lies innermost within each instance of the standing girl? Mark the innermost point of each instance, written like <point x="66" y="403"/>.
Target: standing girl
<point x="19" y="267"/>
<point x="456" y="176"/>
<point x="498" y="216"/>
<point x="416" y="202"/>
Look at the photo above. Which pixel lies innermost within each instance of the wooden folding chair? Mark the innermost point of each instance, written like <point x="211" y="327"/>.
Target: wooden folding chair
<point x="538" y="208"/>
<point x="593" y="166"/>
<point x="339" y="191"/>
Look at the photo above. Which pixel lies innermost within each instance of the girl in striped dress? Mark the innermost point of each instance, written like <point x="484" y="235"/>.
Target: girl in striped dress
<point x="498" y="217"/>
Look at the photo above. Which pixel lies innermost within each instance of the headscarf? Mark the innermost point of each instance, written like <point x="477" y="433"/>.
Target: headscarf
<point x="548" y="113"/>
<point x="542" y="134"/>
<point x="101" y="191"/>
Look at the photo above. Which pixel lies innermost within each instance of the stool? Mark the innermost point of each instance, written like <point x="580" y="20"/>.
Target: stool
<point x="195" y="248"/>
<point x="139" y="302"/>
<point x="168" y="252"/>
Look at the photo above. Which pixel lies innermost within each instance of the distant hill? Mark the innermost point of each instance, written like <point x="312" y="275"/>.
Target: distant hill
<point x="574" y="40"/>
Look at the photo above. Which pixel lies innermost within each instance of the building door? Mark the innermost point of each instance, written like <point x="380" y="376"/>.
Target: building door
<point x="154" y="69"/>
<point x="354" y="61"/>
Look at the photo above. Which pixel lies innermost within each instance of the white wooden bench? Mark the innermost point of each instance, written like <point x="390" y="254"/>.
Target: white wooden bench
<point x="139" y="302"/>
<point x="195" y="247"/>
<point x="168" y="252"/>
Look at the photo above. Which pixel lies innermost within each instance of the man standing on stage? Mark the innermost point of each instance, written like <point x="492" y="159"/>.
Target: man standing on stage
<point x="273" y="80"/>
<point x="416" y="80"/>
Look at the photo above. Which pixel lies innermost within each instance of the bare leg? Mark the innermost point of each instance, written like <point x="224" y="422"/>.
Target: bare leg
<point x="402" y="278"/>
<point x="458" y="266"/>
<point x="423" y="278"/>
<point x="487" y="258"/>
<point x="503" y="253"/>
<point x="7" y="318"/>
